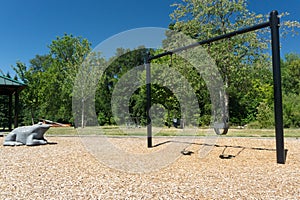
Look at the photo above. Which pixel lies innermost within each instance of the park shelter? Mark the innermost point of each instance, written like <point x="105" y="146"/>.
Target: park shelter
<point x="11" y="88"/>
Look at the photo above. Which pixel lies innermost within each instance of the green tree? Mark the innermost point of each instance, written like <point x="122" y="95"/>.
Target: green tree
<point x="119" y="65"/>
<point x="83" y="95"/>
<point x="50" y="79"/>
<point x="291" y="90"/>
<point x="23" y="75"/>
<point x="67" y="53"/>
<point x="235" y="57"/>
<point x="291" y="74"/>
<point x="177" y="77"/>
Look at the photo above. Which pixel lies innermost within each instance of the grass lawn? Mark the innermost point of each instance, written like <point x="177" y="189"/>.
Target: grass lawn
<point x="115" y="131"/>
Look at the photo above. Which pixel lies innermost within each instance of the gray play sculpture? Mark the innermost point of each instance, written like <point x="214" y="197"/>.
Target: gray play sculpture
<point x="27" y="135"/>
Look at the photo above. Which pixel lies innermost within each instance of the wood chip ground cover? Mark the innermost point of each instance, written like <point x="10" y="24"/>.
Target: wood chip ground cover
<point x="67" y="170"/>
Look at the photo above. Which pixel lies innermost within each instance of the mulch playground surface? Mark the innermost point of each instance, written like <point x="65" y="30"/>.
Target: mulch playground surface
<point x="80" y="168"/>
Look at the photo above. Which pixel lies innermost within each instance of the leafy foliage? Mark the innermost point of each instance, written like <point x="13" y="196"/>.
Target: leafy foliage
<point x="242" y="60"/>
<point x="291" y="90"/>
<point x="235" y="57"/>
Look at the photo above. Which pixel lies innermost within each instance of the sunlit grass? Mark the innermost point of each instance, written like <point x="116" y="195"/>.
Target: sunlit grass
<point x="262" y="132"/>
<point x="123" y="131"/>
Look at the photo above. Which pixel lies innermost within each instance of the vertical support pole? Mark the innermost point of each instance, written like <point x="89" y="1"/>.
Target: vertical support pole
<point x="10" y="112"/>
<point x="148" y="104"/>
<point x="16" y="108"/>
<point x="274" y="24"/>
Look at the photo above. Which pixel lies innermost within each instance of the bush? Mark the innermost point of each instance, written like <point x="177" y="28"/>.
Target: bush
<point x="291" y="111"/>
<point x="254" y="125"/>
<point x="204" y="120"/>
<point x="265" y="116"/>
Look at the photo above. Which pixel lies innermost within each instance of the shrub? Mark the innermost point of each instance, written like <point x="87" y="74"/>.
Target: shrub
<point x="265" y="115"/>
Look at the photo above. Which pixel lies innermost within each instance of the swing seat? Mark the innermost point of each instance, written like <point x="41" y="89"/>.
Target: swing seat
<point x="224" y="156"/>
<point x="221" y="128"/>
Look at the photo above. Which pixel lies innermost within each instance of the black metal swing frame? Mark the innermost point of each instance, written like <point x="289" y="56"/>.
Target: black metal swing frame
<point x="274" y="24"/>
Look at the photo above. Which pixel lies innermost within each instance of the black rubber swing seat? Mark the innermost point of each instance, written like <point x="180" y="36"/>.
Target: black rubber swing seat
<point x="223" y="156"/>
<point x="221" y="128"/>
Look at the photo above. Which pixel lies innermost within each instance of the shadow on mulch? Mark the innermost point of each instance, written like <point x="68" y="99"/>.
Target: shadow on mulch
<point x="223" y="155"/>
<point x="51" y="143"/>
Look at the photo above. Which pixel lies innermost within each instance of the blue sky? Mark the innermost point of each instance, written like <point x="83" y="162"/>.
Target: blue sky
<point x="27" y="27"/>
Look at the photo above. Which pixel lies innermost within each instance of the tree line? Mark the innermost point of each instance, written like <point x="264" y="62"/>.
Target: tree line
<point x="243" y="62"/>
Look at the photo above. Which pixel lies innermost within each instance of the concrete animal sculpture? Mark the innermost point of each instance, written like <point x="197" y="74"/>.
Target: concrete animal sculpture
<point x="27" y="135"/>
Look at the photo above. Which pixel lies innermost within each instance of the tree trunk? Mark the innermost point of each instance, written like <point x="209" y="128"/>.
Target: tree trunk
<point x="32" y="116"/>
<point x="226" y="107"/>
<point x="82" y="114"/>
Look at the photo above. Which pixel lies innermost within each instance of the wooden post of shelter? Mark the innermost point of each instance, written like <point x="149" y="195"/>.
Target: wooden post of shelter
<point x="10" y="88"/>
<point x="10" y="112"/>
<point x="16" y="122"/>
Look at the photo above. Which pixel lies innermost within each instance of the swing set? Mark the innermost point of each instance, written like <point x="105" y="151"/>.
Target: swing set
<point x="274" y="24"/>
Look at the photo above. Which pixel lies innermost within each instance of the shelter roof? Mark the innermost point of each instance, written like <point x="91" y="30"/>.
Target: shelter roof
<point x="9" y="86"/>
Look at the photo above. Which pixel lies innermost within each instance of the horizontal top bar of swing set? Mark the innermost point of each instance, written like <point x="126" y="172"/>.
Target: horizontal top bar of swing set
<point x="211" y="40"/>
